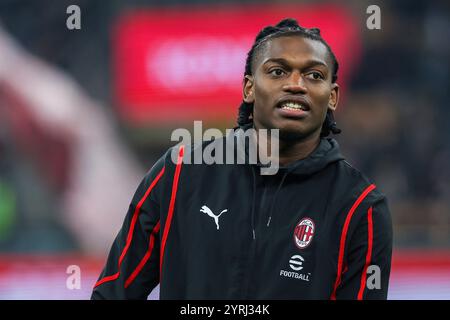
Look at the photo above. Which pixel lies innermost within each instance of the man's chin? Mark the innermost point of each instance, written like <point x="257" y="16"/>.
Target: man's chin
<point x="293" y="135"/>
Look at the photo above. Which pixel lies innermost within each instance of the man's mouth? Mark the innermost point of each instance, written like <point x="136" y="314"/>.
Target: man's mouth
<point x="290" y="105"/>
<point x="295" y="107"/>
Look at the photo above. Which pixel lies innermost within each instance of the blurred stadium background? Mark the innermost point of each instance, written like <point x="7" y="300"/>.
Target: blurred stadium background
<point x="84" y="113"/>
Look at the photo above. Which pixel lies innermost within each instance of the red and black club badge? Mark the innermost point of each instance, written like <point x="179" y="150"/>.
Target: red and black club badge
<point x="304" y="233"/>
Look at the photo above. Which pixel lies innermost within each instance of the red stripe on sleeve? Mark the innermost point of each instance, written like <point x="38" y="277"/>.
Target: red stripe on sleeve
<point x="130" y="231"/>
<point x="171" y="207"/>
<point x="369" y="253"/>
<point x="344" y="237"/>
<point x="145" y="258"/>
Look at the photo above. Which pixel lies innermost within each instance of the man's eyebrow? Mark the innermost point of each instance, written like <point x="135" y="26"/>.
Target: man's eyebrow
<point x="284" y="62"/>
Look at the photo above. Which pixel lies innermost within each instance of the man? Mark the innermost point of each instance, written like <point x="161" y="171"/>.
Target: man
<point x="317" y="229"/>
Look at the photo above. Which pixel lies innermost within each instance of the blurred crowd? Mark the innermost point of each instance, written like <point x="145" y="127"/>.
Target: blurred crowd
<point x="69" y="164"/>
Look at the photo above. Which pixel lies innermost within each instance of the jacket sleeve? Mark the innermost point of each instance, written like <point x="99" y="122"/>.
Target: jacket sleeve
<point x="368" y="262"/>
<point x="132" y="267"/>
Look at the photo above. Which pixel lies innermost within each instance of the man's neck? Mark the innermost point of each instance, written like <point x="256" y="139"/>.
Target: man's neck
<point x="291" y="151"/>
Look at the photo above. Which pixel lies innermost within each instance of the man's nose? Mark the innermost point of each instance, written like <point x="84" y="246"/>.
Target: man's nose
<point x="295" y="83"/>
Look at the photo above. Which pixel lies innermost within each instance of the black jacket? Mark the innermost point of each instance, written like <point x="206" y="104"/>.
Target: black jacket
<point x="318" y="229"/>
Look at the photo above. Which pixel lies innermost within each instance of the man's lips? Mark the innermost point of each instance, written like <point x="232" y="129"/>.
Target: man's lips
<point x="293" y="107"/>
<point x="293" y="102"/>
<point x="292" y="113"/>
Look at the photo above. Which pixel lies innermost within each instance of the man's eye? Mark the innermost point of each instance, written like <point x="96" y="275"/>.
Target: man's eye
<point x="315" y="76"/>
<point x="276" y="72"/>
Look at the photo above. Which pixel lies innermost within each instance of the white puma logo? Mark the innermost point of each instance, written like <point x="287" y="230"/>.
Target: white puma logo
<point x="208" y="211"/>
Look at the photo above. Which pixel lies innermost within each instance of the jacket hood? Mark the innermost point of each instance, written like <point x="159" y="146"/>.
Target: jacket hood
<point x="325" y="153"/>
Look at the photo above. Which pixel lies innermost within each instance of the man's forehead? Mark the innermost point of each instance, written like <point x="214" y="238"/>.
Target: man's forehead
<point x="294" y="49"/>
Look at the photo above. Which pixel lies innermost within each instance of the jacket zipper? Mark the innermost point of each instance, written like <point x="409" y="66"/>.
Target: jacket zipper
<point x="253" y="243"/>
<point x="253" y="247"/>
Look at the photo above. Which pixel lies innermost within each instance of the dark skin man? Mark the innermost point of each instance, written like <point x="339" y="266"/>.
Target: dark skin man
<point x="291" y="90"/>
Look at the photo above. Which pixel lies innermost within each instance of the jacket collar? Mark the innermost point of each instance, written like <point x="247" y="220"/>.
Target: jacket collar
<point x="326" y="152"/>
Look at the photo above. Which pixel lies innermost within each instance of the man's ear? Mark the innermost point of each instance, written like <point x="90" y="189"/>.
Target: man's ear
<point x="334" y="97"/>
<point x="248" y="90"/>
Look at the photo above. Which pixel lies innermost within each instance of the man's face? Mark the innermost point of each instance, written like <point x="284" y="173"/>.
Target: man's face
<point x="291" y="87"/>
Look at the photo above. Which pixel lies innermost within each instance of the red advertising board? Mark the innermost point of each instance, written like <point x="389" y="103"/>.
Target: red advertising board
<point x="187" y="63"/>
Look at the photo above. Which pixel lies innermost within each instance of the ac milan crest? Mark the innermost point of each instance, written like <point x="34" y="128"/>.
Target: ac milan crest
<point x="304" y="232"/>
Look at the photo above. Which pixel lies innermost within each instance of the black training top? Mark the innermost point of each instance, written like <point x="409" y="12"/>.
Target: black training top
<point x="318" y="229"/>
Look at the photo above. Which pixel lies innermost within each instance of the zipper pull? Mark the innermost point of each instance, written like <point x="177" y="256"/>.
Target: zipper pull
<point x="254" y="235"/>
<point x="268" y="222"/>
